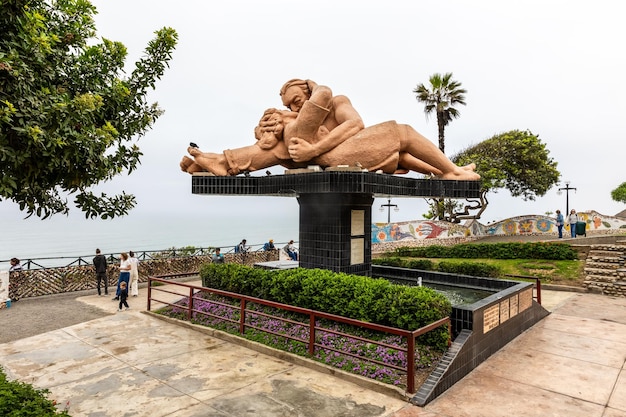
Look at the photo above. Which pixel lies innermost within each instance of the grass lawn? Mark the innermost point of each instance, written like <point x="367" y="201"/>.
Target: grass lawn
<point x="549" y="271"/>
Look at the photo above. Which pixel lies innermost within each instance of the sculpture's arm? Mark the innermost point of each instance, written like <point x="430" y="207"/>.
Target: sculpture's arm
<point x="349" y="123"/>
<point x="343" y="122"/>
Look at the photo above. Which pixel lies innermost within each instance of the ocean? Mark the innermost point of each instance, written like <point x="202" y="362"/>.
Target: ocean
<point x="75" y="236"/>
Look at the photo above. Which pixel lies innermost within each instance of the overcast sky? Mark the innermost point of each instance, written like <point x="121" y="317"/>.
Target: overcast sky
<point x="555" y="68"/>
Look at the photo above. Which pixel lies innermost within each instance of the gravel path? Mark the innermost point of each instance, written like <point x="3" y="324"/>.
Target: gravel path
<point x="32" y="316"/>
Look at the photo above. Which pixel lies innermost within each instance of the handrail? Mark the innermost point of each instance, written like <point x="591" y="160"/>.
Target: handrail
<point x="410" y="336"/>
<point x="86" y="260"/>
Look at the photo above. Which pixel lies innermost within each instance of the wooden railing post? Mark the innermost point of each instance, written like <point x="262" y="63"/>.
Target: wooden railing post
<point x="538" y="281"/>
<point x="149" y="292"/>
<point x="410" y="363"/>
<point x="190" y="307"/>
<point x="311" y="334"/>
<point x="242" y="317"/>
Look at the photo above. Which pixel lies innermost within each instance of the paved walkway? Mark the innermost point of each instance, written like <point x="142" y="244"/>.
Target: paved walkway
<point x="570" y="364"/>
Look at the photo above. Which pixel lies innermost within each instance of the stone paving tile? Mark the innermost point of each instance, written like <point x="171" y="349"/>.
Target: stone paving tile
<point x="618" y="399"/>
<point x="611" y="412"/>
<point x="600" y="329"/>
<point x="595" y="307"/>
<point x="564" y="341"/>
<point x="125" y="392"/>
<point x="575" y="378"/>
<point x="209" y="373"/>
<point x="484" y="394"/>
<point x="63" y="360"/>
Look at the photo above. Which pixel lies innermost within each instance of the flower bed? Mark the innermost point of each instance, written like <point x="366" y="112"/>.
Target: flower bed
<point x="353" y="349"/>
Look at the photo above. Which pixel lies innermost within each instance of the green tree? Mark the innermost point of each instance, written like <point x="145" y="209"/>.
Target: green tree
<point x="619" y="194"/>
<point x="68" y="118"/>
<point x="516" y="160"/>
<point x="443" y="94"/>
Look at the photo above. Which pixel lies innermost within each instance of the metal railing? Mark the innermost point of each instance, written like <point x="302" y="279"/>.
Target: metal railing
<point x="86" y="260"/>
<point x="314" y="329"/>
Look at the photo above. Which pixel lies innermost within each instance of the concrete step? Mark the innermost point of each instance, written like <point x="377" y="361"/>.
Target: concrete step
<point x="601" y="278"/>
<point x="604" y="252"/>
<point x="603" y="258"/>
<point x="602" y="265"/>
<point x="609" y="248"/>
<point x="600" y="271"/>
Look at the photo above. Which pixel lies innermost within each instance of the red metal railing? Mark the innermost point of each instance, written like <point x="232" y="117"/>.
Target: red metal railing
<point x="313" y="328"/>
<point x="538" y="290"/>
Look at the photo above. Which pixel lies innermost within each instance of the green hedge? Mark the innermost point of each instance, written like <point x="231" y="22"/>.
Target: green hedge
<point x="476" y="269"/>
<point x="353" y="296"/>
<point x="18" y="399"/>
<point x="510" y="250"/>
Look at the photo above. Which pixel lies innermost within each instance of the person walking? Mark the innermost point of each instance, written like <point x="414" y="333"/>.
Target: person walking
<point x="134" y="274"/>
<point x="560" y="221"/>
<point x="100" y="264"/>
<point x="124" y="274"/>
<point x="123" y="297"/>
<point x="572" y="219"/>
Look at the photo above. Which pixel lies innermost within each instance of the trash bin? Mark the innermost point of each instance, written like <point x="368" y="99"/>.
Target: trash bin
<point x="580" y="228"/>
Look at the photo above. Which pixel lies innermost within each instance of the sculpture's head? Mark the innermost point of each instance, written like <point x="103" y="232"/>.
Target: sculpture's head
<point x="294" y="93"/>
<point x="271" y="126"/>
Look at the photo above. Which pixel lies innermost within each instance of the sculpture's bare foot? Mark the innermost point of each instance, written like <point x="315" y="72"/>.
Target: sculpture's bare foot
<point x="189" y="165"/>
<point x="462" y="173"/>
<point x="185" y="163"/>
<point x="212" y="162"/>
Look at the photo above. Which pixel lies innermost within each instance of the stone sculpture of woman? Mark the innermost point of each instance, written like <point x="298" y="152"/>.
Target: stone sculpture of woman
<point x="326" y="130"/>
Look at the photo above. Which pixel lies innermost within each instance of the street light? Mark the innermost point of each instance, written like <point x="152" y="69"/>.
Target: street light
<point x="389" y="206"/>
<point x="566" y="188"/>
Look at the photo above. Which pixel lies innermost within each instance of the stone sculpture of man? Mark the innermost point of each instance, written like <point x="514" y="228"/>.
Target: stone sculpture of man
<point x="326" y="130"/>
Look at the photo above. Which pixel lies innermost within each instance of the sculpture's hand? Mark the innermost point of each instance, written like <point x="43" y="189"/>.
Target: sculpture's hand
<point x="267" y="125"/>
<point x="311" y="84"/>
<point x="267" y="141"/>
<point x="300" y="150"/>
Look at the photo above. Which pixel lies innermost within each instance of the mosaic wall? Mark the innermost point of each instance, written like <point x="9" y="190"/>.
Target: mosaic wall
<point x="597" y="224"/>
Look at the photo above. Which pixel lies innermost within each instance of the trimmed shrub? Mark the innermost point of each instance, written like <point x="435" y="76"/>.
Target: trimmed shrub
<point x="423" y="264"/>
<point x="475" y="269"/>
<point x="353" y="296"/>
<point x="18" y="399"/>
<point x="390" y="261"/>
<point x="509" y="250"/>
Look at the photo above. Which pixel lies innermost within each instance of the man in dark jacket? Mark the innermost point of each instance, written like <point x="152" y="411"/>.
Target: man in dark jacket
<point x="100" y="263"/>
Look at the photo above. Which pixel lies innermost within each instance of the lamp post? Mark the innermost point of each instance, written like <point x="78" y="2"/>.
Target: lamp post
<point x="389" y="206"/>
<point x="566" y="188"/>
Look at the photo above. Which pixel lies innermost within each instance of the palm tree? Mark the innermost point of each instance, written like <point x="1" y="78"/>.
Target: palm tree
<point x="444" y="94"/>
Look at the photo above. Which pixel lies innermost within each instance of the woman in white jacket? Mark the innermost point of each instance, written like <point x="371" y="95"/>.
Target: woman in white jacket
<point x="134" y="274"/>
<point x="572" y="219"/>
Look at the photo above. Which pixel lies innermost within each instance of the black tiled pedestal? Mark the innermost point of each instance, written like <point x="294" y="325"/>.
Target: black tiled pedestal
<point x="335" y="208"/>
